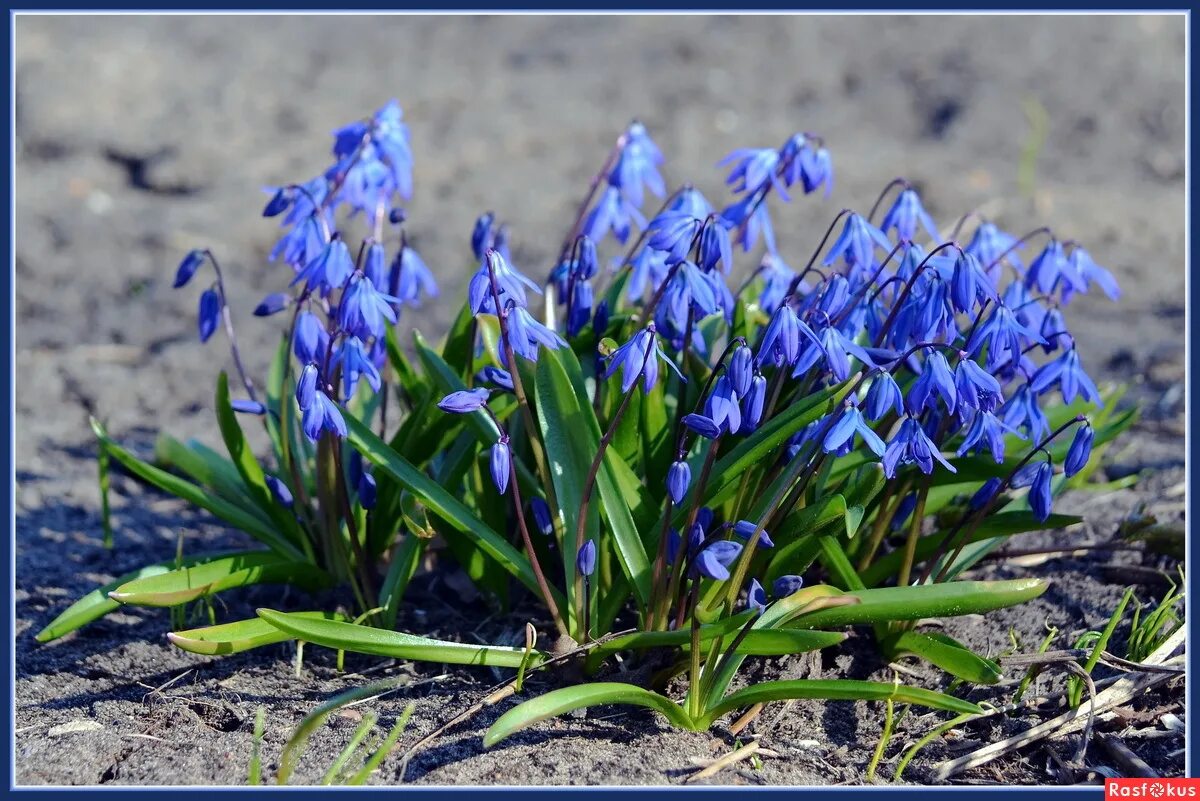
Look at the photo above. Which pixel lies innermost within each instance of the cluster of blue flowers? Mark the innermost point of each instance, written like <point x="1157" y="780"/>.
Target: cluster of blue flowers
<point x="342" y="300"/>
<point x="940" y="338"/>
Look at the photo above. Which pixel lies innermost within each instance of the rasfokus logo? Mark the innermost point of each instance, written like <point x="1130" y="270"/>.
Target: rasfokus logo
<point x="1152" y="789"/>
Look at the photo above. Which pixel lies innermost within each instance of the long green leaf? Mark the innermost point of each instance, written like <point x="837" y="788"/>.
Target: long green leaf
<point x="241" y="635"/>
<point x="198" y="496"/>
<point x="438" y="500"/>
<point x="207" y="468"/>
<point x="926" y="600"/>
<point x="97" y="604"/>
<point x="395" y="644"/>
<point x="568" y="699"/>
<point x="837" y="690"/>
<point x="947" y="654"/>
<point x="186" y="584"/>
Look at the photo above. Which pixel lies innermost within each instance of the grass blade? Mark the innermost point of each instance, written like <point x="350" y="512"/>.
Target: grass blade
<point x="241" y="635"/>
<point x="927" y="600"/>
<point x="186" y="584"/>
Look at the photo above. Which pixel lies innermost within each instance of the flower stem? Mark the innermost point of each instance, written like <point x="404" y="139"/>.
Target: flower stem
<point x="534" y="564"/>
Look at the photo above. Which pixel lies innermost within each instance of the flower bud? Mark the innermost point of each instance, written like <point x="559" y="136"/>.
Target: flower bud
<point x="745" y="529"/>
<point x="306" y="387"/>
<point x="187" y="268"/>
<point x="280" y="491"/>
<point x="1080" y="450"/>
<point x="541" y="515"/>
<point x="679" y="478"/>
<point x="248" y="406"/>
<point x="741" y="370"/>
<point x="501" y="464"/>
<point x="464" y="401"/>
<point x="210" y="312"/>
<point x="275" y="302"/>
<point x="585" y="561"/>
<point x="786" y="585"/>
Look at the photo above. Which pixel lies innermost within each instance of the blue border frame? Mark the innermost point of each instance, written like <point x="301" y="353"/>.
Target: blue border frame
<point x="411" y="792"/>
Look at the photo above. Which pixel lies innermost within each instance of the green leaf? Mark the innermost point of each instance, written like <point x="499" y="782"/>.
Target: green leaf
<point x="186" y="584"/>
<point x="398" y="645"/>
<point x="248" y="467"/>
<point x="207" y="468"/>
<point x="568" y="699"/>
<point x="405" y="561"/>
<point x="926" y="600"/>
<point x="229" y="512"/>
<point x="102" y="468"/>
<point x="442" y="503"/>
<point x="837" y="690"/>
<point x="996" y="525"/>
<point x="96" y="604"/>
<point x="781" y="642"/>
<point x="572" y="437"/>
<point x="241" y="635"/>
<point x="947" y="654"/>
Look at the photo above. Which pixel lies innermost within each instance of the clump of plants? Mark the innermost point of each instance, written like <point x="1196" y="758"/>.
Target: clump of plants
<point x="687" y="449"/>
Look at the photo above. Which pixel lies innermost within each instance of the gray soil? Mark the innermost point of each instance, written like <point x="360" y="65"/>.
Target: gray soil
<point x="141" y="137"/>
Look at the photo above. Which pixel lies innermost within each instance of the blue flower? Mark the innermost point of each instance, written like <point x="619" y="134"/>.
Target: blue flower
<point x="1080" y="450"/>
<point x="857" y="242"/>
<point x="777" y="282"/>
<point x="501" y="464"/>
<point x="752" y="219"/>
<point x="912" y="445"/>
<point x="210" y="313"/>
<point x="722" y="406"/>
<point x="1083" y="265"/>
<point x="329" y="270"/>
<point x="306" y="387"/>
<point x="1004" y="336"/>
<point x="816" y="169"/>
<point x="935" y="379"/>
<point x="272" y="304"/>
<point x="975" y="387"/>
<point x="581" y="308"/>
<point x="756" y="597"/>
<point x="648" y="268"/>
<point x="355" y="364"/>
<point x="745" y="529"/>
<point x="787" y="585"/>
<point x="188" y="267"/>
<point x="585" y="560"/>
<point x="613" y="213"/>
<point x="464" y="401"/>
<point x="1046" y="269"/>
<point x="984" y="495"/>
<point x="637" y="165"/>
<point x="679" y="477"/>
<point x="884" y="396"/>
<point x="986" y="431"/>
<point x="989" y="243"/>
<point x="481" y="234"/>
<point x="1067" y="372"/>
<point x="363" y="309"/>
<point x="752" y="404"/>
<point x="410" y="277"/>
<point x="242" y="406"/>
<point x="1040" y="497"/>
<point x="1022" y="411"/>
<point x="638" y="358"/>
<point x="741" y="369"/>
<point x="541" y="516"/>
<point x="280" y="491"/>
<point x="753" y="168"/>
<point x="715" y="248"/>
<point x="905" y="214"/>
<point x="525" y="334"/>
<point x="848" y="424"/>
<point x="714" y="561"/>
<point x="310" y="341"/>
<point x="510" y="282"/>
<point x="368" y="490"/>
<point x="781" y="341"/>
<point x="672" y="232"/>
<point x="302" y="244"/>
<point x="701" y="425"/>
<point x="322" y="415"/>
<point x="495" y="375"/>
<point x="970" y="283"/>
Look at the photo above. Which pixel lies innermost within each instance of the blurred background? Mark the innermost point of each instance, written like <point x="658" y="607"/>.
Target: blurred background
<point x="140" y="137"/>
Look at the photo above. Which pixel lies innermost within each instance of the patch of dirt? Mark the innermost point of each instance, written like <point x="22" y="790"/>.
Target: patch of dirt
<point x="128" y="156"/>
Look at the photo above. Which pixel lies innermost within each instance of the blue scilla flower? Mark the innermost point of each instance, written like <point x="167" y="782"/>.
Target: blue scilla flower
<point x="673" y="232"/>
<point x="777" y="282"/>
<point x="989" y="244"/>
<point x="245" y="406"/>
<point x="975" y="387"/>
<point x="936" y="379"/>
<point x="374" y="266"/>
<point x="679" y="478"/>
<point x="368" y="490"/>
<point x="838" y="348"/>
<point x="1083" y="265"/>
<point x="816" y="169"/>
<point x="364" y="309"/>
<point x="842" y="432"/>
<point x="306" y="386"/>
<point x="787" y="585"/>
<point x="310" y="341"/>
<point x="969" y="283"/>
<point x="495" y="375"/>
<point x="355" y="362"/>
<point x="745" y="529"/>
<point x="714" y="561"/>
<point x="1045" y="270"/>
<point x="1080" y="450"/>
<point x="541" y="516"/>
<point x="756" y="597"/>
<point x="614" y="212"/>
<point x="482" y="235"/>
<point x="331" y="268"/>
<point x="585" y="265"/>
<point x="753" y="169"/>
<point x="741" y="369"/>
<point x="1004" y="336"/>
<point x="647" y="269"/>
<point x="857" y="242"/>
<point x="374" y="160"/>
<point x="210" y="314"/>
<point x="280" y="491"/>
<point x="300" y="201"/>
<point x="750" y="219"/>
<point x="410" y="277"/>
<point x="511" y="282"/>
<point x="702" y="425"/>
<point x="906" y="214"/>
<point x="722" y="406"/>
<point x="752" y="404"/>
<point x="984" y="495"/>
<point x="1040" y="494"/>
<point x="525" y="334"/>
<point x="638" y="358"/>
<point x="715" y="248"/>
<point x="585" y="560"/>
<point x="465" y="401"/>
<point x="884" y="396"/>
<point x="321" y="415"/>
<point x="689" y="288"/>
<point x="637" y="165"/>
<point x="986" y="433"/>
<point x="188" y="267"/>
<point x="912" y="445"/>
<point x="303" y="244"/>
<point x="581" y="307"/>
<point x="1022" y="411"/>
<point x="272" y="304"/>
<point x="501" y="464"/>
<point x="1067" y="372"/>
<point x="782" y="339"/>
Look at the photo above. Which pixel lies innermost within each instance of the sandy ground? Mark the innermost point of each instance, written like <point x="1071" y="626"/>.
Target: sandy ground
<point x="140" y="137"/>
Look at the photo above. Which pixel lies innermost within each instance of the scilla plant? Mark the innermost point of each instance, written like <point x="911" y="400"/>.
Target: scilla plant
<point x="656" y="442"/>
